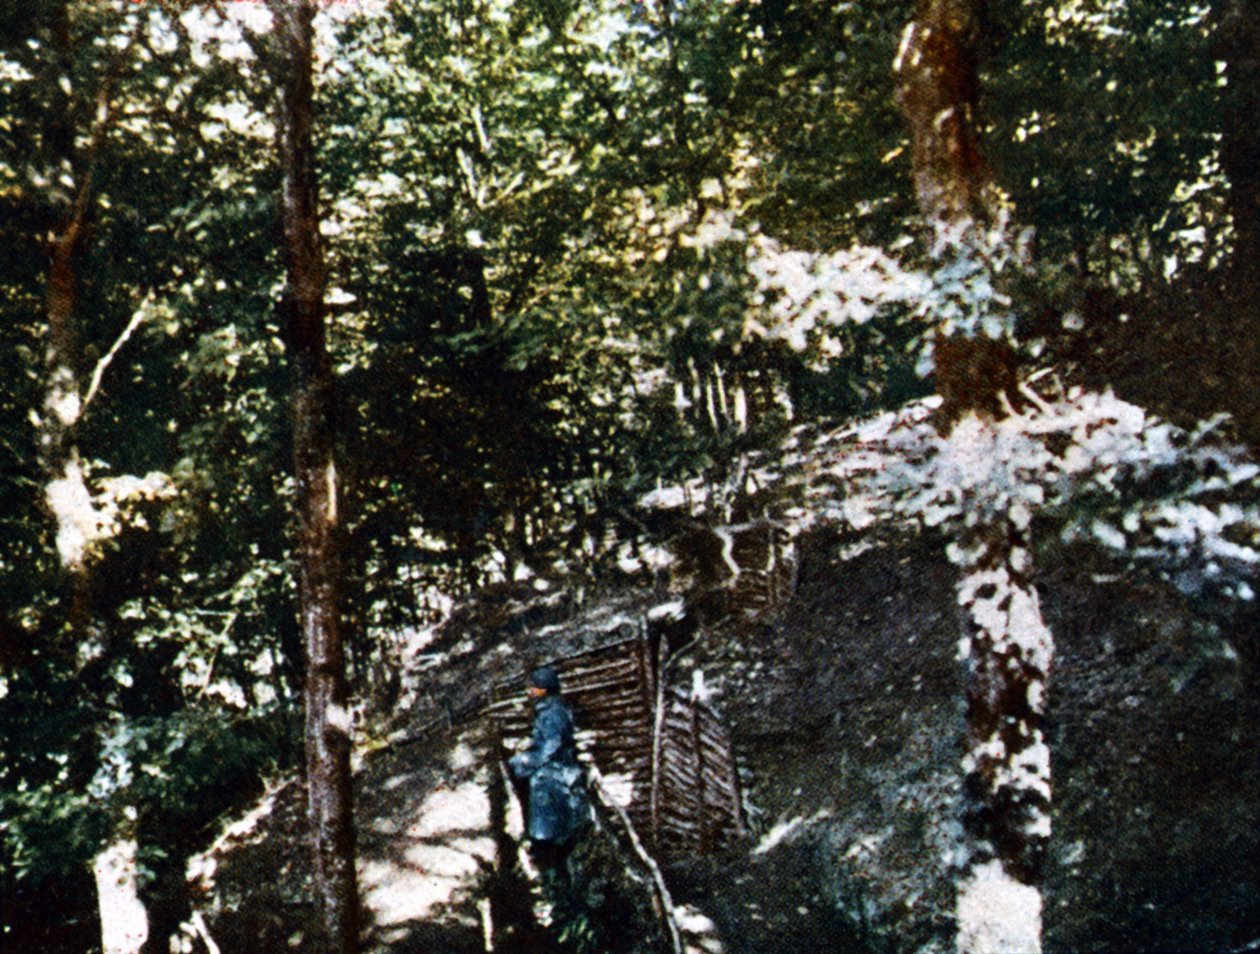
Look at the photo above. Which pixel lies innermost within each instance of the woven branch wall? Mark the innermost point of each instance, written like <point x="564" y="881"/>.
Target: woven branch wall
<point x="734" y="570"/>
<point x="664" y="757"/>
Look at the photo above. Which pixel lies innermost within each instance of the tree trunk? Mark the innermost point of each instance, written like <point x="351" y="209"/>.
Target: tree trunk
<point x="328" y="778"/>
<point x="937" y="91"/>
<point x="65" y="492"/>
<point x="1005" y="643"/>
<point x="1236" y="313"/>
<point x="1006" y="770"/>
<point x="123" y="919"/>
<point x="124" y="922"/>
<point x="1237" y="44"/>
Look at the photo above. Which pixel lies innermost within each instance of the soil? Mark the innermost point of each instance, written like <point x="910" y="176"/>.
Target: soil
<point x="844" y="707"/>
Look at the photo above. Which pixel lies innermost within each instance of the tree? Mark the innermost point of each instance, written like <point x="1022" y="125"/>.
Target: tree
<point x="1006" y="645"/>
<point x="77" y="514"/>
<point x="574" y="249"/>
<point x="127" y="608"/>
<point x="328" y="727"/>
<point x="1237" y="44"/>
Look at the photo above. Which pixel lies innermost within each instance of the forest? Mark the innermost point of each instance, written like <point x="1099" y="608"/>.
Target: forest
<point x="867" y="392"/>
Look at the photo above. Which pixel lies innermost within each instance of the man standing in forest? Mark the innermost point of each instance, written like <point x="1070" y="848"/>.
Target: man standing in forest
<point x="558" y="810"/>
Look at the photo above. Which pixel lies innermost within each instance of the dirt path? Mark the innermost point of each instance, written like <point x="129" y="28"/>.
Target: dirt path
<point x="427" y="849"/>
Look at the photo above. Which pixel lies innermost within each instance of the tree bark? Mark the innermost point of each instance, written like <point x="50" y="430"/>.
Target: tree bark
<point x="1006" y="646"/>
<point x="124" y="921"/>
<point x="67" y="498"/>
<point x="327" y="723"/>
<point x="1006" y="769"/>
<point x="65" y="495"/>
<point x="1237" y="44"/>
<point x="937" y="91"/>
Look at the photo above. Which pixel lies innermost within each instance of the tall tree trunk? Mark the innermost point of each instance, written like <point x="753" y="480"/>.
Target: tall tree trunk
<point x="1237" y="44"/>
<point x="1006" y="645"/>
<point x="1236" y="329"/>
<point x="1006" y="769"/>
<point x="123" y="919"/>
<point x="65" y="492"/>
<point x="329" y="803"/>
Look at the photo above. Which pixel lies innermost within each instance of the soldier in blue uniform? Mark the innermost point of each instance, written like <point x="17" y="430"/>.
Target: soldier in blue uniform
<point x="558" y="809"/>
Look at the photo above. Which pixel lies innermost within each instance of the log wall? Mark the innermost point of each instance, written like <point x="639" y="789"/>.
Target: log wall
<point x="664" y="758"/>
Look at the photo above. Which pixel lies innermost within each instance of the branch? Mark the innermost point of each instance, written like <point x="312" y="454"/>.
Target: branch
<point x="98" y="372"/>
<point x="102" y="123"/>
<point x="664" y="903"/>
<point x="199" y="924"/>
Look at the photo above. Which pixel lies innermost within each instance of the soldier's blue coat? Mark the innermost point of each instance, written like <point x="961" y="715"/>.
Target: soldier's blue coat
<point x="558" y="807"/>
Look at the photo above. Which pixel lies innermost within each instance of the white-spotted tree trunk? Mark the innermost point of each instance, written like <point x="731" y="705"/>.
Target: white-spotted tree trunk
<point x="66" y="495"/>
<point x="1006" y="647"/>
<point x="1007" y="650"/>
<point x="124" y="922"/>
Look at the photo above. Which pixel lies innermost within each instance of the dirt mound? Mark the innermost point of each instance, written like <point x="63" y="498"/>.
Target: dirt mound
<point x="844" y="704"/>
<point x="846" y="711"/>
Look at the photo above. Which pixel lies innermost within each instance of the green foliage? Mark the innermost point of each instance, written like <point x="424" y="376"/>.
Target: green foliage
<point x="1106" y="129"/>
<point x="157" y="713"/>
<point x="542" y="219"/>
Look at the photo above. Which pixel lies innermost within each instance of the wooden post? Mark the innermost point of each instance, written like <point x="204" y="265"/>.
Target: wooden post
<point x="651" y="688"/>
<point x="697" y="741"/>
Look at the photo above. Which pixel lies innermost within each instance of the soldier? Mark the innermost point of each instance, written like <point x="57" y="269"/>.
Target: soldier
<point x="558" y="808"/>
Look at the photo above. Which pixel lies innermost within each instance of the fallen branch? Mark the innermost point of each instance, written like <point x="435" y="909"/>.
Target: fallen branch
<point x="661" y="899"/>
<point x="199" y="924"/>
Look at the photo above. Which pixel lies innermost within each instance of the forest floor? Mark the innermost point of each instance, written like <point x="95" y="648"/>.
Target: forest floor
<point x="844" y="711"/>
<point x="430" y="844"/>
<point x="432" y="857"/>
<point x="427" y="848"/>
<point x="761" y="901"/>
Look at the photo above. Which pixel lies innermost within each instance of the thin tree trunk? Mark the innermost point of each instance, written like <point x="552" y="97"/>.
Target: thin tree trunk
<point x="1006" y="646"/>
<point x="1236" y="328"/>
<point x="66" y="495"/>
<point x="1237" y="44"/>
<point x="328" y="777"/>
<point x="123" y="919"/>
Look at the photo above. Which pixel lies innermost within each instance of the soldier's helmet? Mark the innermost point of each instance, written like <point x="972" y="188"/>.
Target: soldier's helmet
<point x="545" y="678"/>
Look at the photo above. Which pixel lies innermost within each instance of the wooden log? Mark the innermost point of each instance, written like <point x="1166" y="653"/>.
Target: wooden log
<point x="625" y="665"/>
<point x="678" y="780"/>
<point x="599" y="685"/>
<point x="609" y="649"/>
<point x="598" y="712"/>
